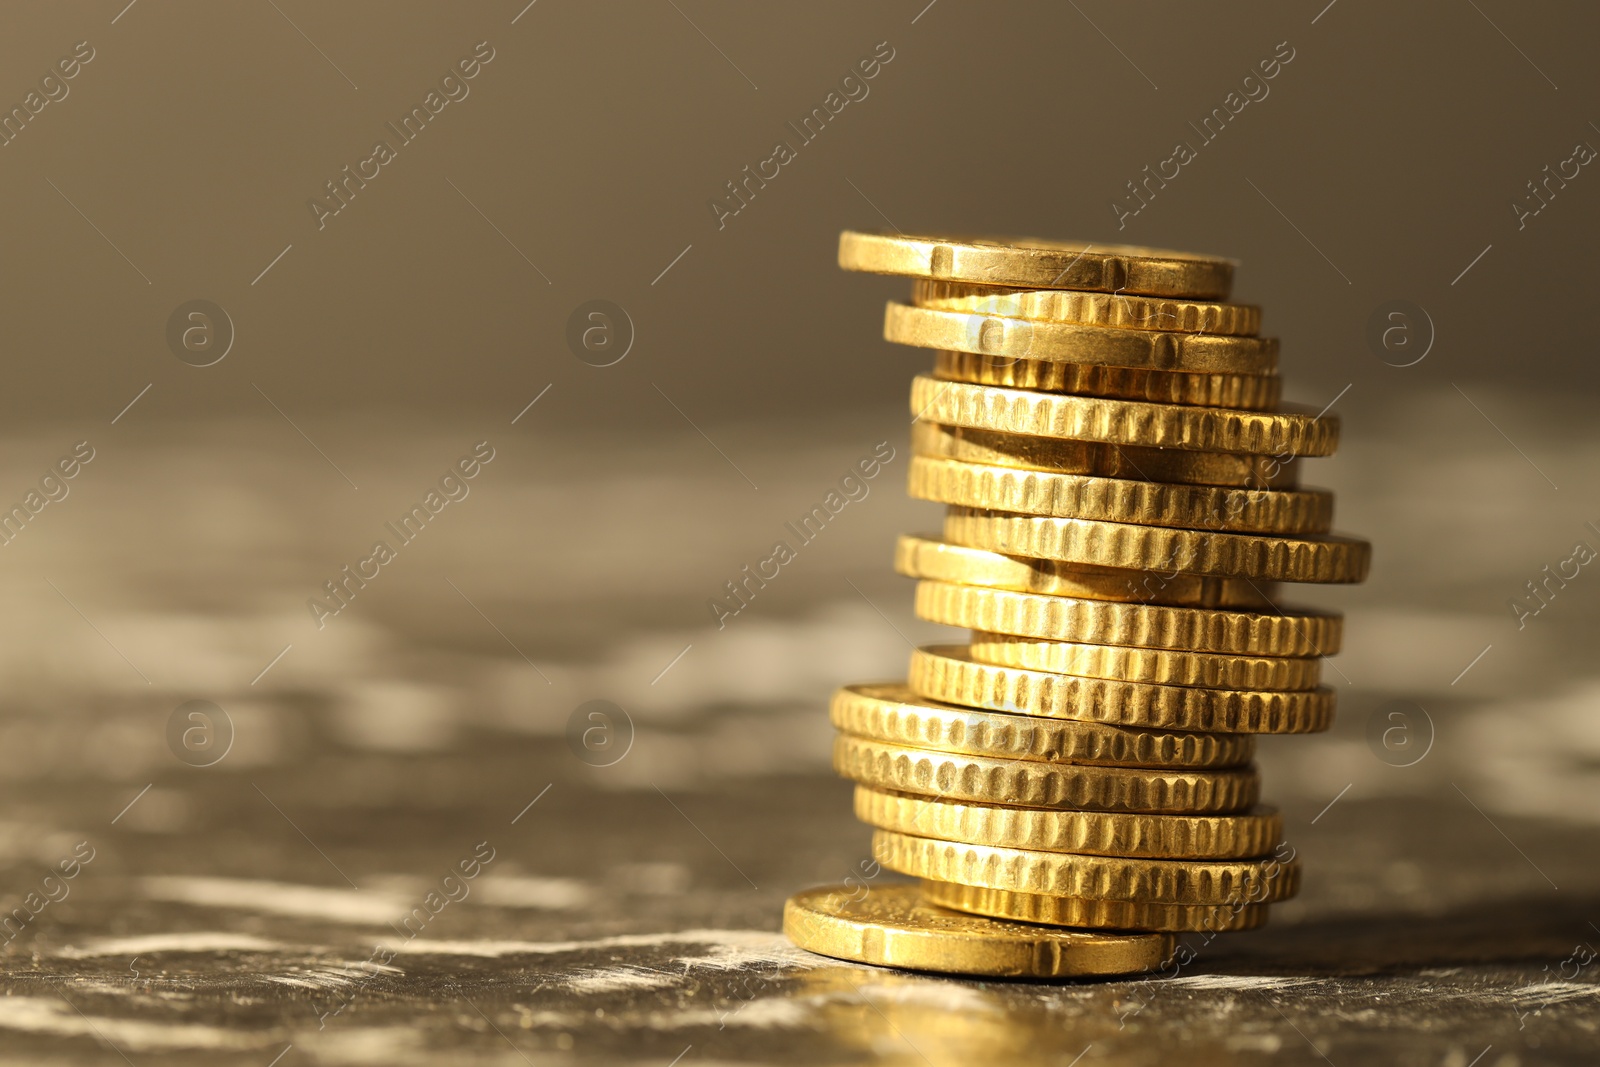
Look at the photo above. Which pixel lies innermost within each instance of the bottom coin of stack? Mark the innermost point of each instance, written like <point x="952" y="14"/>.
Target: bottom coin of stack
<point x="1074" y="785"/>
<point x="894" y="926"/>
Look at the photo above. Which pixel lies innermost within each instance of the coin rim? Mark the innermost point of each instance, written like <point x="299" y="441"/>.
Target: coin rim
<point x="1123" y="833"/>
<point x="1092" y="497"/>
<point x="1016" y="906"/>
<point x="950" y="675"/>
<point x="866" y="710"/>
<point x="1154" y="791"/>
<point x="1039" y="264"/>
<point x="1029" y="413"/>
<point x="1134" y="881"/>
<point x="1109" y="622"/>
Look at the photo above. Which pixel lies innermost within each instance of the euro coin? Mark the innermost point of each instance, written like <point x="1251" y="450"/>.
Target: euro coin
<point x="1058" y="874"/>
<point x="1252" y="392"/>
<point x="1089" y="308"/>
<point x="1035" y="263"/>
<point x="1302" y="558"/>
<point x="1156" y="666"/>
<point x="1057" y="455"/>
<point x="1280" y="434"/>
<point x="1068" y="342"/>
<point x="1102" y="833"/>
<point x="931" y="558"/>
<point x="1094" y="914"/>
<point x="1163" y="791"/>
<point x="1101" y="622"/>
<point x="1085" y="496"/>
<point x="948" y="674"/>
<point x="892" y="926"/>
<point x="894" y="715"/>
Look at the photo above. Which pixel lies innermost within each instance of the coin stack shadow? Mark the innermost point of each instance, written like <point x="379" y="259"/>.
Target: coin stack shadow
<point x="1123" y="495"/>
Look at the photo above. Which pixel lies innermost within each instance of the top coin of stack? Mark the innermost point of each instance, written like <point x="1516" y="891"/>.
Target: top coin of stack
<point x="1123" y="497"/>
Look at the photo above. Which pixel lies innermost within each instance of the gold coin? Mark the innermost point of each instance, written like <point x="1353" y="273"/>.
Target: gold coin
<point x="1101" y="833"/>
<point x="1091" y="309"/>
<point x="1044" y="785"/>
<point x="894" y="715"/>
<point x="1032" y="263"/>
<point x="1279" y="434"/>
<point x="1325" y="558"/>
<point x="1094" y="914"/>
<point x="1067" y="342"/>
<point x="892" y="926"/>
<point x="1103" y="622"/>
<point x="1252" y="392"/>
<point x="1059" y="874"/>
<point x="1061" y="456"/>
<point x="1084" y="496"/>
<point x="948" y="674"/>
<point x="924" y="557"/>
<point x="1154" y="666"/>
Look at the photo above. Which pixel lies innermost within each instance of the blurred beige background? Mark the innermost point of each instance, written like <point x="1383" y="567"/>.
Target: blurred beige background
<point x="1395" y="141"/>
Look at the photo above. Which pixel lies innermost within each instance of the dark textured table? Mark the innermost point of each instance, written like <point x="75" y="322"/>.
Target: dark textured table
<point x="306" y="898"/>
<point x="632" y="926"/>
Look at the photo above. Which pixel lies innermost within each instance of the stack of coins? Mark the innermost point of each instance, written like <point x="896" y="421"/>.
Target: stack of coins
<point x="1074" y="785"/>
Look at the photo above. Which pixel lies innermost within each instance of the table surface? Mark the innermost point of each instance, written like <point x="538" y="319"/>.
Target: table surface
<point x="255" y="908"/>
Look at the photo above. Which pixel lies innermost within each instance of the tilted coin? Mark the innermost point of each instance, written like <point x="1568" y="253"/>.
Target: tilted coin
<point x="1061" y="874"/>
<point x="903" y="769"/>
<point x="948" y="674"/>
<point x="1085" y="496"/>
<point x="1102" y="833"/>
<point x="894" y="715"/>
<point x="1280" y="434"/>
<point x="1034" y="263"/>
<point x="1061" y="456"/>
<point x="1252" y="392"/>
<point x="927" y="557"/>
<point x="1305" y="558"/>
<point x="1067" y="342"/>
<point x="1089" y="308"/>
<point x="892" y="926"/>
<point x="1157" y="666"/>
<point x="1103" y="622"/>
<point x="1094" y="914"/>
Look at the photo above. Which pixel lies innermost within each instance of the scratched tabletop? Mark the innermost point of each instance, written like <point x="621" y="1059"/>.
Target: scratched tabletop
<point x="521" y="798"/>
